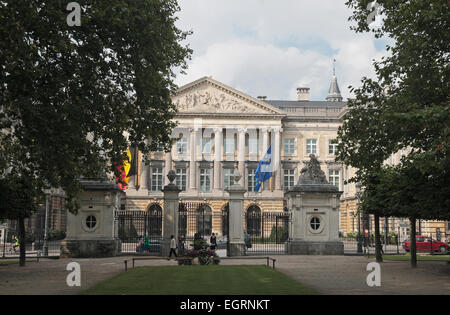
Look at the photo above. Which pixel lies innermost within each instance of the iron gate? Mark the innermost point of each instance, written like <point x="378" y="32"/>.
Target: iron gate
<point x="140" y="231"/>
<point x="197" y="219"/>
<point x="266" y="232"/>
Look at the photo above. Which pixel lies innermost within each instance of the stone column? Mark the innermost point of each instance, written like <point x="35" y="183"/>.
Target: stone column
<point x="192" y="166"/>
<point x="236" y="218"/>
<point x="241" y="155"/>
<point x="265" y="141"/>
<point x="170" y="213"/>
<point x="277" y="158"/>
<point x="217" y="156"/>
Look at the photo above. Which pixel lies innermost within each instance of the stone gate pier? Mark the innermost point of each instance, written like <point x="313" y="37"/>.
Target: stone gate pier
<point x="92" y="232"/>
<point x="314" y="206"/>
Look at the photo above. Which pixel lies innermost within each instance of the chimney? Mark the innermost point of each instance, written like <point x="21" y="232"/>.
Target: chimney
<point x="303" y="94"/>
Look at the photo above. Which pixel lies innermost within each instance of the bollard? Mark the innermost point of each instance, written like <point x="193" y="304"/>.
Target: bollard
<point x="126" y="265"/>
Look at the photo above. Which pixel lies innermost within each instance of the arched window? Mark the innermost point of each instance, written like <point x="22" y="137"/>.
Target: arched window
<point x="253" y="220"/>
<point x="153" y="226"/>
<point x="204" y="220"/>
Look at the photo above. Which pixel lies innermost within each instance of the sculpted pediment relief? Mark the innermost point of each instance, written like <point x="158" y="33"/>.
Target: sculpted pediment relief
<point x="212" y="98"/>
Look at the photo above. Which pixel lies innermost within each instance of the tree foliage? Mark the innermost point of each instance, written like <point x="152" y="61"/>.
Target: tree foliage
<point x="73" y="99"/>
<point x="407" y="106"/>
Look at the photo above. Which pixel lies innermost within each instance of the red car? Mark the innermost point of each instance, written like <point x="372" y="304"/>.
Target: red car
<point x="426" y="244"/>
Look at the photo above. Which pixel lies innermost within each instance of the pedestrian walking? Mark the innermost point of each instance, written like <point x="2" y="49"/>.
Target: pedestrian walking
<point x="16" y="243"/>
<point x="173" y="247"/>
<point x="213" y="242"/>
<point x="180" y="245"/>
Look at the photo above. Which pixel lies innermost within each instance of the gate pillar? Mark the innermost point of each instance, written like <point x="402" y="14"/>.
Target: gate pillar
<point x="236" y="218"/>
<point x="170" y="213"/>
<point x="314" y="205"/>
<point x="92" y="232"/>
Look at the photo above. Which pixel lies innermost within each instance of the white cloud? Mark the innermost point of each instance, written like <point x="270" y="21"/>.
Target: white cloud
<point x="268" y="47"/>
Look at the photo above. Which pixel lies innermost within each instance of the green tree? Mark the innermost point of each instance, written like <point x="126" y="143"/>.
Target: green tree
<point x="18" y="200"/>
<point x="73" y="99"/>
<point x="406" y="107"/>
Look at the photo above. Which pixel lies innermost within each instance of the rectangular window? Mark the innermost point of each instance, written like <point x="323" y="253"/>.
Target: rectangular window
<point x="157" y="178"/>
<point x="289" y="147"/>
<point x="182" y="146"/>
<point x="205" y="179"/>
<point x="251" y="182"/>
<point x="311" y="146"/>
<point x="160" y="148"/>
<point x="334" y="178"/>
<point x="332" y="146"/>
<point x="181" y="178"/>
<point x="227" y="178"/>
<point x="289" y="179"/>
<point x="229" y="145"/>
<point x="206" y="145"/>
<point x="252" y="145"/>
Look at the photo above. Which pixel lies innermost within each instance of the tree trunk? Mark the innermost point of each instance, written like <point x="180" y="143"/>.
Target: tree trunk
<point x="378" y="255"/>
<point x="412" y="247"/>
<point x="22" y="244"/>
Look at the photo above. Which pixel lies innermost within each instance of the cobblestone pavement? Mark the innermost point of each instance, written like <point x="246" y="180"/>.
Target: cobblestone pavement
<point x="326" y="274"/>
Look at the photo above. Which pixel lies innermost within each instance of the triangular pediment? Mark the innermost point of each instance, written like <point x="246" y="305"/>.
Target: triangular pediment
<point x="208" y="96"/>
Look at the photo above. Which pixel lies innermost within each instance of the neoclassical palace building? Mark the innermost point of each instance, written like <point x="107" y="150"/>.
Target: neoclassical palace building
<point x="221" y="129"/>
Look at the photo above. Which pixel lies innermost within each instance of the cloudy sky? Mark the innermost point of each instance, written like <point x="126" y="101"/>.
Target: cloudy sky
<point x="271" y="47"/>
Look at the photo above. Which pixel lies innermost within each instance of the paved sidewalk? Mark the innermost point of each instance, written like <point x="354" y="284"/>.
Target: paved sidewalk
<point x="326" y="274"/>
<point x="347" y="275"/>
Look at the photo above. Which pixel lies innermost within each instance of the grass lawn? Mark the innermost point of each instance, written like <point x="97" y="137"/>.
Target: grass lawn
<point x="8" y="262"/>
<point x="201" y="280"/>
<point x="407" y="257"/>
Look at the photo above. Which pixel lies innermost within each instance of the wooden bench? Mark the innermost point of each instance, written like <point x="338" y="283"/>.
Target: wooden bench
<point x="184" y="260"/>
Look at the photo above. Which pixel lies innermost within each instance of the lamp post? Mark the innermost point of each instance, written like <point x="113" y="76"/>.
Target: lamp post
<point x="45" y="247"/>
<point x="358" y="196"/>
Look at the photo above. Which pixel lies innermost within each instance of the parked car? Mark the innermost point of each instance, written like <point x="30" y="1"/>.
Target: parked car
<point x="247" y="240"/>
<point x="222" y="242"/>
<point x="426" y="244"/>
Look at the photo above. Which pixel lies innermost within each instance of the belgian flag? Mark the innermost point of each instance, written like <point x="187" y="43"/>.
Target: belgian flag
<point x="128" y="168"/>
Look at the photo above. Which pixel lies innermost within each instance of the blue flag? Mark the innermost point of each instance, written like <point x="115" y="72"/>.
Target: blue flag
<point x="264" y="170"/>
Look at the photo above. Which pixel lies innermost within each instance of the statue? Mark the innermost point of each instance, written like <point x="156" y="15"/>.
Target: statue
<point x="312" y="173"/>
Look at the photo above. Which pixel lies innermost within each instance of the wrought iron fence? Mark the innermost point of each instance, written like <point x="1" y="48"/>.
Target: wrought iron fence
<point x="35" y="244"/>
<point x="197" y="221"/>
<point x="433" y="243"/>
<point x="140" y="231"/>
<point x="266" y="232"/>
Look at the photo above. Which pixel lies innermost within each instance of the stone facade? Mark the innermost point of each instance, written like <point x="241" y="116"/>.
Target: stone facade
<point x="221" y="129"/>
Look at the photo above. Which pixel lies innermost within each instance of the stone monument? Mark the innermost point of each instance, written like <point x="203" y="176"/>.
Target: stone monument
<point x="314" y="205"/>
<point x="92" y="231"/>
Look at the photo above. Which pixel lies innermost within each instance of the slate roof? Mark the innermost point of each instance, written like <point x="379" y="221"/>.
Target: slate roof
<point x="279" y="104"/>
